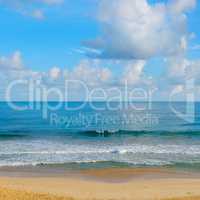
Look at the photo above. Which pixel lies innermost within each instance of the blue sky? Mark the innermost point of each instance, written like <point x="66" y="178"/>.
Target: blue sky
<point x="63" y="30"/>
<point x="53" y="37"/>
<point x="64" y="34"/>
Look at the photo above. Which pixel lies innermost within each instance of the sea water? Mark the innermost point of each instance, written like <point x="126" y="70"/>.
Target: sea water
<point x="90" y="137"/>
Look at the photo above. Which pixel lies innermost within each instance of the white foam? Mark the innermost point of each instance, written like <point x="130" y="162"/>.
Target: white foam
<point x="49" y="152"/>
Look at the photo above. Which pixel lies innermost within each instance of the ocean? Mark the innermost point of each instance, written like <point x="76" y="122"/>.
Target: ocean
<point x="78" y="134"/>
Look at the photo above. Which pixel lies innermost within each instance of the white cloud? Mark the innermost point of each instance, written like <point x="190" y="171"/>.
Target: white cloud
<point x="176" y="68"/>
<point x="32" y="8"/>
<point x="37" y="14"/>
<point x="95" y="75"/>
<point x="135" y="29"/>
<point x="13" y="62"/>
<point x="91" y="72"/>
<point x="180" y="72"/>
<point x="51" y="2"/>
<point x="133" y="72"/>
<point x="26" y="2"/>
<point x="55" y="73"/>
<point x="179" y="69"/>
<point x="12" y="68"/>
<point x="179" y="6"/>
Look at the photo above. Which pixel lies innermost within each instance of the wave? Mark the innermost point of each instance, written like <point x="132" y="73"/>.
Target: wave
<point x="94" y="133"/>
<point x="72" y="150"/>
<point x="96" y="164"/>
<point x="11" y="136"/>
<point x="87" y="164"/>
<point x="17" y="134"/>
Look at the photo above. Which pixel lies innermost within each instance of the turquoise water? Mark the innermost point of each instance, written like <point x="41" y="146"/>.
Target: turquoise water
<point x="86" y="137"/>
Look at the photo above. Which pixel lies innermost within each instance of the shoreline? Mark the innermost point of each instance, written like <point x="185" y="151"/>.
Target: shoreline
<point x="102" y="184"/>
<point x="104" y="174"/>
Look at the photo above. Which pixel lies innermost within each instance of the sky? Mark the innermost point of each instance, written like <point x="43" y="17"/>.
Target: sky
<point x="146" y="44"/>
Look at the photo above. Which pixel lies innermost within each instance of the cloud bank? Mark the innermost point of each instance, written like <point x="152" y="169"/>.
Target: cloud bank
<point x="136" y="29"/>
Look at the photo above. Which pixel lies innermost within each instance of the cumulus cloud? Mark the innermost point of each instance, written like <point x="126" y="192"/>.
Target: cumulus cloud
<point x="94" y="74"/>
<point x="89" y="71"/>
<point x="13" y="62"/>
<point x="12" y="68"/>
<point x="133" y="72"/>
<point x="180" y="69"/>
<point x="54" y="73"/>
<point x="136" y="29"/>
<point x="180" y="74"/>
<point x="179" y="6"/>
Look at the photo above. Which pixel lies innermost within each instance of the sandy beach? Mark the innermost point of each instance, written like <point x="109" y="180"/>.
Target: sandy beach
<point x="130" y="184"/>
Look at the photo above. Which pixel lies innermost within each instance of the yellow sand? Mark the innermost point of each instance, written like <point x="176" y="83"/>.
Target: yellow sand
<point x="9" y="194"/>
<point x="68" y="188"/>
<point x="82" y="189"/>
